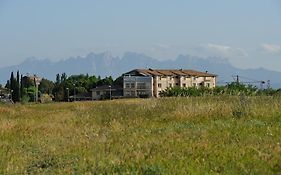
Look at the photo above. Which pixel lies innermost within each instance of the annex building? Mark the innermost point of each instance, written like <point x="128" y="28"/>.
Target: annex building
<point x="149" y="82"/>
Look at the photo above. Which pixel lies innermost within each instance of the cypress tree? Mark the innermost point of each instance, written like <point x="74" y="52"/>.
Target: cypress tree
<point x="8" y="85"/>
<point x="21" y="86"/>
<point x="12" y="86"/>
<point x="58" y="79"/>
<point x="11" y="81"/>
<point x="17" y="87"/>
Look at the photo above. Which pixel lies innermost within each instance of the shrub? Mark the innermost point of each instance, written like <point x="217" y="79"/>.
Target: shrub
<point x="230" y="89"/>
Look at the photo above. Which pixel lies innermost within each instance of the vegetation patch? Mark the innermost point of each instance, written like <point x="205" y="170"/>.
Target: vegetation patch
<point x="183" y="135"/>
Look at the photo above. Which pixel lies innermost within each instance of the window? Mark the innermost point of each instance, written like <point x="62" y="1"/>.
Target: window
<point x="127" y="93"/>
<point x="171" y="78"/>
<point x="170" y="85"/>
<point x="194" y="84"/>
<point x="184" y="78"/>
<point x="127" y="85"/>
<point x="159" y="85"/>
<point x="208" y="85"/>
<point x="159" y="78"/>
<point x="98" y="92"/>
<point x="142" y="92"/>
<point x="132" y="85"/>
<point x="177" y="84"/>
<point x="141" y="86"/>
<point x="194" y="78"/>
<point x="184" y="85"/>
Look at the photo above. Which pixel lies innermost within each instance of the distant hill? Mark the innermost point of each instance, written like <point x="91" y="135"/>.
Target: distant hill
<point x="105" y="64"/>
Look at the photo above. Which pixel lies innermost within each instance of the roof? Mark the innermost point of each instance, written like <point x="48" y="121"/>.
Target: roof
<point x="33" y="77"/>
<point x="169" y="72"/>
<point x="106" y="88"/>
<point x="82" y="95"/>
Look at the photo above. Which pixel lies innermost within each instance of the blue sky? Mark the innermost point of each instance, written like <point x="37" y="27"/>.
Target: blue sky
<point x="247" y="32"/>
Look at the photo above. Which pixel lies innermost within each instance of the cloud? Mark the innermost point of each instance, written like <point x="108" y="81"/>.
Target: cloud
<point x="271" y="49"/>
<point x="222" y="50"/>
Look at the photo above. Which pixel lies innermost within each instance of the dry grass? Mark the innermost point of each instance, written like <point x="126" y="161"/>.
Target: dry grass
<point x="153" y="136"/>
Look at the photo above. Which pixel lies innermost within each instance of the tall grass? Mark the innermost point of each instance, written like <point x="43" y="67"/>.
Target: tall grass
<point x="226" y="135"/>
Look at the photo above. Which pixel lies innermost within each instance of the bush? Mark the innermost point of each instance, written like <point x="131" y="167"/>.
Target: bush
<point x="230" y="89"/>
<point x="25" y="99"/>
<point x="45" y="98"/>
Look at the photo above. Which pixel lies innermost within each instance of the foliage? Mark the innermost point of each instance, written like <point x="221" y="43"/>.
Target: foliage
<point x="78" y="84"/>
<point x="45" y="98"/>
<point x="25" y="99"/>
<point x="230" y="89"/>
<point x="14" y="86"/>
<point x="46" y="86"/>
<point x="118" y="81"/>
<point x="30" y="92"/>
<point x="23" y="88"/>
<point x="196" y="135"/>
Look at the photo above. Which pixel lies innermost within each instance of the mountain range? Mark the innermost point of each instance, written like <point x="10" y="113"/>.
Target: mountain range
<point x="104" y="64"/>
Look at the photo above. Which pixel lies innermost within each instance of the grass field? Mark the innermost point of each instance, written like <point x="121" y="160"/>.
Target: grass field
<point x="206" y="135"/>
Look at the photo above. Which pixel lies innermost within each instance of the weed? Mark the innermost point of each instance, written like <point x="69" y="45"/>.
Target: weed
<point x="194" y="135"/>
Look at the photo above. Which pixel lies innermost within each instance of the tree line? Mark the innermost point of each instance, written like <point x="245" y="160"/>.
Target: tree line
<point x="23" y="88"/>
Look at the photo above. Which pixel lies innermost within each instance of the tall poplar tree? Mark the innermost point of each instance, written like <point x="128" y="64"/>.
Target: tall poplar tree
<point x="17" y="87"/>
<point x="21" y="87"/>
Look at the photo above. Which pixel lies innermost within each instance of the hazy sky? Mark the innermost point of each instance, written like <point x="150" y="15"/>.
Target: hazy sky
<point x="247" y="32"/>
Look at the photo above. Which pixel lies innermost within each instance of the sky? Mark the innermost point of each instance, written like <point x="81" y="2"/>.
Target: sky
<point x="246" y="32"/>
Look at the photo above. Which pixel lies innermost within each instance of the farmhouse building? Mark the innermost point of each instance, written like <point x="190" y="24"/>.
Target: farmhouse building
<point x="5" y="95"/>
<point x="149" y="82"/>
<point x="32" y="80"/>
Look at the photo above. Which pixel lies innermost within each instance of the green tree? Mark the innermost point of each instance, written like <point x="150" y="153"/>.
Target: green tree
<point x="118" y="81"/>
<point x="105" y="81"/>
<point x="46" y="86"/>
<point x="12" y="78"/>
<point x="17" y="88"/>
<point x="14" y="87"/>
<point x="58" y="79"/>
<point x="8" y="84"/>
<point x="21" y="87"/>
<point x="63" y="77"/>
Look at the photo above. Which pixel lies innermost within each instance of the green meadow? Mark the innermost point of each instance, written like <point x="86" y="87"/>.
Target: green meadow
<point x="198" y="135"/>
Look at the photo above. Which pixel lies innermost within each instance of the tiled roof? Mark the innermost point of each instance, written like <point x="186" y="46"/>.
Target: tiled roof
<point x="170" y="72"/>
<point x="32" y="77"/>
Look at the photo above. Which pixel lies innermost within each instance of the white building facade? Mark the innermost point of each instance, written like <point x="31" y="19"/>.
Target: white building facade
<point x="149" y="82"/>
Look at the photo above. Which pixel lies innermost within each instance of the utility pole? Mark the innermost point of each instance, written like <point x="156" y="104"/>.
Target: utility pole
<point x="74" y="95"/>
<point x="109" y="92"/>
<point x="67" y="94"/>
<point x="34" y="95"/>
<point x="37" y="81"/>
<point x="237" y="79"/>
<point x="268" y="84"/>
<point x="37" y="91"/>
